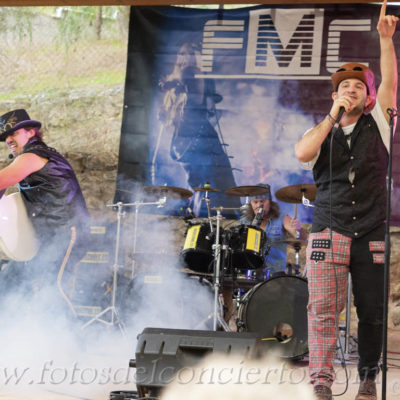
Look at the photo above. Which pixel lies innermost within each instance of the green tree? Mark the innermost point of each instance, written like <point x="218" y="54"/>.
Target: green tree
<point x="17" y="20"/>
<point x="77" y="22"/>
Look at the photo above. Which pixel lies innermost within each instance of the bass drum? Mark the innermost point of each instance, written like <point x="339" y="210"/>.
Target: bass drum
<point x="277" y="310"/>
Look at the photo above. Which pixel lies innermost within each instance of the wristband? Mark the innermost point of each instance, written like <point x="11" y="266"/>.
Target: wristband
<point x="330" y="119"/>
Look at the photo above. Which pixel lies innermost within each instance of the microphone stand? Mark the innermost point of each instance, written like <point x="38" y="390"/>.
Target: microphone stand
<point x="392" y="113"/>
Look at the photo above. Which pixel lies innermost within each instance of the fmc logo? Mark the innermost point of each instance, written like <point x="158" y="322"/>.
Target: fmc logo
<point x="280" y="42"/>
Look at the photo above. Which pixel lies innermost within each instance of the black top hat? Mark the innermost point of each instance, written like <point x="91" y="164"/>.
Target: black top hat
<point x="14" y="120"/>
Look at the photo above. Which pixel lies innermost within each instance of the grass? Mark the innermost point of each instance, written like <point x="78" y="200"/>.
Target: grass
<point x="48" y="83"/>
<point x="47" y="68"/>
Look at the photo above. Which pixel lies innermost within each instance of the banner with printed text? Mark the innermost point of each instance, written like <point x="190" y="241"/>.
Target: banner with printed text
<point x="220" y="97"/>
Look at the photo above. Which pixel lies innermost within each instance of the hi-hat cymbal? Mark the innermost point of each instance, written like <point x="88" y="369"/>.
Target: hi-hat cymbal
<point x="245" y="191"/>
<point x="171" y="192"/>
<point x="206" y="189"/>
<point x="294" y="193"/>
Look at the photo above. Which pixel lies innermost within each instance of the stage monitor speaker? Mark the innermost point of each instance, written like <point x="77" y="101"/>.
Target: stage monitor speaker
<point x="162" y="353"/>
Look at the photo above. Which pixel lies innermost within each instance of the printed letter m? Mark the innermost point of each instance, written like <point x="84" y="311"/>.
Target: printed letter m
<point x="285" y="41"/>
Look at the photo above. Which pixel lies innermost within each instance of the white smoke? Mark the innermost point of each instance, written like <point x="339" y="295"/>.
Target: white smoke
<point x="45" y="350"/>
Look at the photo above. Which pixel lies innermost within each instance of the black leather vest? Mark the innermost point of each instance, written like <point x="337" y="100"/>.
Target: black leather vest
<point x="358" y="206"/>
<point x="52" y="195"/>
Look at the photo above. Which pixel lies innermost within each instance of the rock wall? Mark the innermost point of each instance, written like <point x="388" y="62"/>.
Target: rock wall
<point x="84" y="125"/>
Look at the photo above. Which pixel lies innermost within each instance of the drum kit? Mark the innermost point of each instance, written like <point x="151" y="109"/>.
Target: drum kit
<point x="275" y="308"/>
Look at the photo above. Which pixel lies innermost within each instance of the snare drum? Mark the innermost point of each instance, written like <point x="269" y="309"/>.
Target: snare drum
<point x="197" y="251"/>
<point x="247" y="247"/>
<point x="277" y="310"/>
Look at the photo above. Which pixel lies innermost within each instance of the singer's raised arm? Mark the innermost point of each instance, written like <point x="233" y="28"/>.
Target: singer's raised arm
<point x="387" y="92"/>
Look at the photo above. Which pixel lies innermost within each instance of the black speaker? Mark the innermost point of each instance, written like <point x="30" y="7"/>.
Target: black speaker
<point x="123" y="395"/>
<point x="161" y="353"/>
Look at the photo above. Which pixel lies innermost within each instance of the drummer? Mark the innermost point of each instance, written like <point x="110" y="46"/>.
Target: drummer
<point x="264" y="213"/>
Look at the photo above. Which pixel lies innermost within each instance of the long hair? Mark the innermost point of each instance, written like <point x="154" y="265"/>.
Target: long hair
<point x="273" y="212"/>
<point x="175" y="98"/>
<point x="38" y="131"/>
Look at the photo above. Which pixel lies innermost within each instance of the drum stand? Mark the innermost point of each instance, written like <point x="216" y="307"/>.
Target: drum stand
<point x="345" y="339"/>
<point x="217" y="272"/>
<point x="207" y="200"/>
<point x="160" y="203"/>
<point x="297" y="248"/>
<point x="216" y="283"/>
<point x="115" y="318"/>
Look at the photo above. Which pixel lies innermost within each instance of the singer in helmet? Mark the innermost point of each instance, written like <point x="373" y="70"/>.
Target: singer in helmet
<point x="52" y="196"/>
<point x="264" y="213"/>
<point x="348" y="229"/>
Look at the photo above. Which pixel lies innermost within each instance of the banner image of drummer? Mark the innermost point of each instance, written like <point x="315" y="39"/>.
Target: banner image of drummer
<point x="220" y="97"/>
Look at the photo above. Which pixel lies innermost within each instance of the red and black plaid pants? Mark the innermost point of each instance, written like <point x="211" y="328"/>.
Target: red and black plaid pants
<point x="327" y="285"/>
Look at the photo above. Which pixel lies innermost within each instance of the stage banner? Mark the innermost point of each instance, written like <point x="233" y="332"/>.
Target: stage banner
<point x="220" y="97"/>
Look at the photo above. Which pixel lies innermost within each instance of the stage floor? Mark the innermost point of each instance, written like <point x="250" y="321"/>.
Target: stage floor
<point x="101" y="389"/>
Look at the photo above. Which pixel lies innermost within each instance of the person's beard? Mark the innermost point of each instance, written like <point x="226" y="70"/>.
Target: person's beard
<point x="357" y="110"/>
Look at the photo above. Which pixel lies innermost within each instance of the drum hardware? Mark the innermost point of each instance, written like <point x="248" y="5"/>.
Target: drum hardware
<point x="160" y="203"/>
<point x="115" y="319"/>
<point x="171" y="192"/>
<point x="246" y="191"/>
<point x="297" y="244"/>
<point x="217" y="270"/>
<point x="346" y="347"/>
<point x="297" y="194"/>
<point x="302" y="193"/>
<point x="207" y="189"/>
<point x="196" y="254"/>
<point x="199" y="251"/>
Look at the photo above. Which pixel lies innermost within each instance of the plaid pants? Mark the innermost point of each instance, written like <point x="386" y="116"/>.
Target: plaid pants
<point x="327" y="286"/>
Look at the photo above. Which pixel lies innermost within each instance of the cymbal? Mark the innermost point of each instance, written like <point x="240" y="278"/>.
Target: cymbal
<point x="245" y="191"/>
<point x="294" y="193"/>
<point x="172" y="192"/>
<point x="206" y="189"/>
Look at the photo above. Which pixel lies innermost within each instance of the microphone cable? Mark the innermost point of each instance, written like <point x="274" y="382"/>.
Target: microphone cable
<point x="334" y="129"/>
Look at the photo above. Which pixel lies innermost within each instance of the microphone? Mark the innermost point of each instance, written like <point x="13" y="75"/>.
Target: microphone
<point x="339" y="117"/>
<point x="11" y="156"/>
<point x="258" y="217"/>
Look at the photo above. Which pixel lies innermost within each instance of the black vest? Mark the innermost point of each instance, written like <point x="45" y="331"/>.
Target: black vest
<point x="52" y="195"/>
<point x="358" y="206"/>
